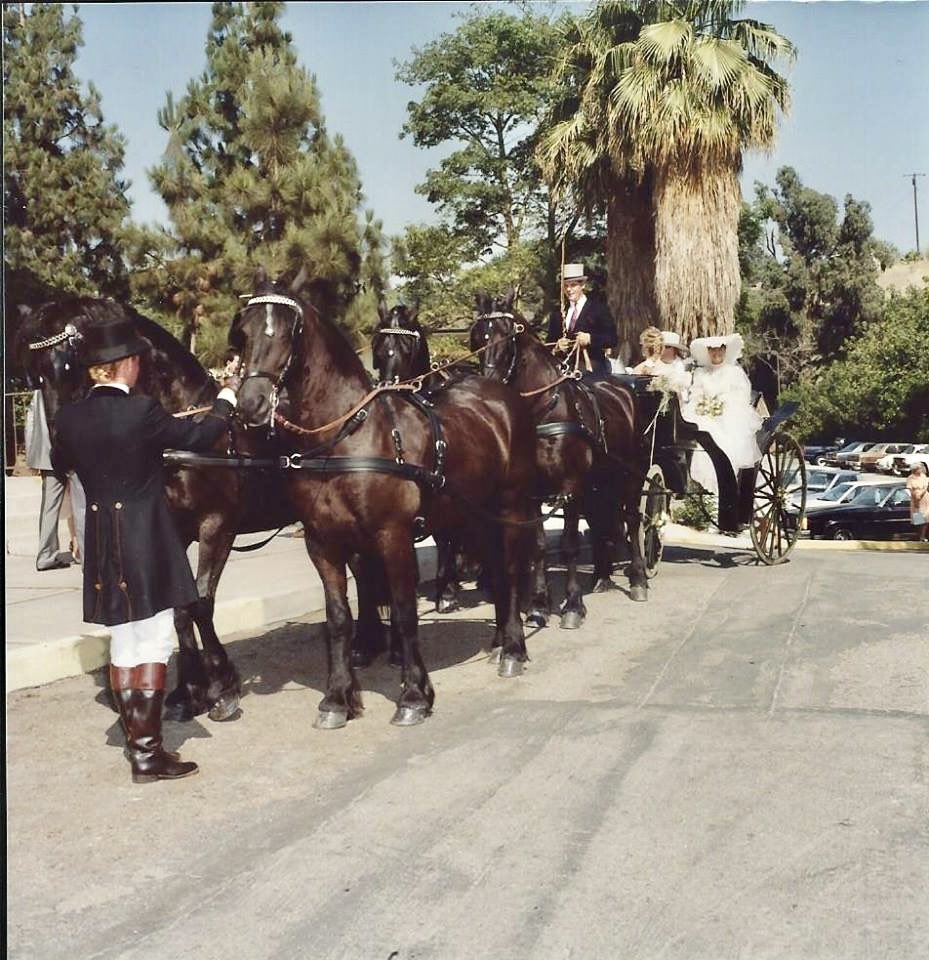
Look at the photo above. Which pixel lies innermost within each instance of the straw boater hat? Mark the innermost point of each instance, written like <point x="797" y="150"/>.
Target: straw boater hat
<point x="110" y="341"/>
<point x="573" y="271"/>
<point x="671" y="339"/>
<point x="733" y="343"/>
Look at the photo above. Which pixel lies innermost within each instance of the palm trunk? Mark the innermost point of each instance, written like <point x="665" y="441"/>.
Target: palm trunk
<point x="630" y="258"/>
<point x="697" y="277"/>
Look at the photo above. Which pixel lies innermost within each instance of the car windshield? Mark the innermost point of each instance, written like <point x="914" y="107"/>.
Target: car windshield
<point x="817" y="479"/>
<point x="836" y="492"/>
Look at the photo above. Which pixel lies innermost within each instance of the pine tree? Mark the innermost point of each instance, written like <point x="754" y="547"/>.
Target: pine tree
<point x="64" y="201"/>
<point x="252" y="179"/>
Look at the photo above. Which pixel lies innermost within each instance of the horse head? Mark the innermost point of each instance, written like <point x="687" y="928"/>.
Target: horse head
<point x="48" y="351"/>
<point x="266" y="335"/>
<point x="494" y="332"/>
<point x="398" y="345"/>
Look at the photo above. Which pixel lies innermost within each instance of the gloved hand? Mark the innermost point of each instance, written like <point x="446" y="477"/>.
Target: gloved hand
<point x="564" y="344"/>
<point x="582" y="338"/>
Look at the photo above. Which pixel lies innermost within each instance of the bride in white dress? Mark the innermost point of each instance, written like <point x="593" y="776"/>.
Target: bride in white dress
<point x="719" y="402"/>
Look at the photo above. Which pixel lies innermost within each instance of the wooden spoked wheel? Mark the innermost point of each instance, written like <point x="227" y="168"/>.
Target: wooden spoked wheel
<point x="653" y="509"/>
<point x="780" y="474"/>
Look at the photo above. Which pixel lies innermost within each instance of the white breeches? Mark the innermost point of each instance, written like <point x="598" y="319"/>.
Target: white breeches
<point x="143" y="641"/>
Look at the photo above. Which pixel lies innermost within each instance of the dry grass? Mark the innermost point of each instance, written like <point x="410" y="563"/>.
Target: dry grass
<point x="905" y="274"/>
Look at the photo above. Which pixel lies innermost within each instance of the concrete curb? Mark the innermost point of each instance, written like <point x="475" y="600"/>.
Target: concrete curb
<point x="677" y="535"/>
<point x="35" y="664"/>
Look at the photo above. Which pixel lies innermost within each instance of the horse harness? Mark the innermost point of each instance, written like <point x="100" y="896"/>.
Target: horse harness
<point x="577" y="392"/>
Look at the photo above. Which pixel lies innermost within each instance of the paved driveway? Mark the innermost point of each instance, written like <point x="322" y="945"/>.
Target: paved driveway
<point x="736" y="769"/>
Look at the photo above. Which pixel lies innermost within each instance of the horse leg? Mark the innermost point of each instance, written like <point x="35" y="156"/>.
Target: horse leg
<point x="600" y="516"/>
<point x="447" y="587"/>
<point x="573" y="610"/>
<point x="188" y="699"/>
<point x="224" y="687"/>
<point x="635" y="571"/>
<point x="342" y="700"/>
<point x="370" y="637"/>
<point x="416" y="693"/>
<point x="540" y="606"/>
<point x="514" y="555"/>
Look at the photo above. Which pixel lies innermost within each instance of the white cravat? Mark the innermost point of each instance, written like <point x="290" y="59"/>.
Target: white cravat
<point x="575" y="313"/>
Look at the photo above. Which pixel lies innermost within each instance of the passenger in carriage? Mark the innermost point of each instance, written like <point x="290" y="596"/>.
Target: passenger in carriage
<point x="651" y="344"/>
<point x="587" y="325"/>
<point x="719" y="402"/>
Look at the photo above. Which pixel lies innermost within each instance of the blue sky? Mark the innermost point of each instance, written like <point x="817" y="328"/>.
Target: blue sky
<point x="859" y="121"/>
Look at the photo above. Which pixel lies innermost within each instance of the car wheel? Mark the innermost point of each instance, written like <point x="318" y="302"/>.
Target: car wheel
<point x="843" y="533"/>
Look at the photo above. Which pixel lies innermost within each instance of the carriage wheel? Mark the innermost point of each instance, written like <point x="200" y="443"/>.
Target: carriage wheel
<point x="780" y="473"/>
<point x="654" y="505"/>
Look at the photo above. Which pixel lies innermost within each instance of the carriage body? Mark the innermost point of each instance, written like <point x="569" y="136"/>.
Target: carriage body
<point x="756" y="497"/>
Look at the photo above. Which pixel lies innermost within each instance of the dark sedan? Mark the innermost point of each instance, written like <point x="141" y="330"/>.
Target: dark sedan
<point x="882" y="514"/>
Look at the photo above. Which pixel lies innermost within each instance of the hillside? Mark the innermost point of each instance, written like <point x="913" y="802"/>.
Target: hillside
<point x="905" y="274"/>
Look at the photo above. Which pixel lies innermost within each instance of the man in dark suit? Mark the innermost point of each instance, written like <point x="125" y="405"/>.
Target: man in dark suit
<point x="135" y="567"/>
<point x="588" y="323"/>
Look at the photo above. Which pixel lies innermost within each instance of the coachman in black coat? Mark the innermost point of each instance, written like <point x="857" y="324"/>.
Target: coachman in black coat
<point x="135" y="565"/>
<point x="594" y="320"/>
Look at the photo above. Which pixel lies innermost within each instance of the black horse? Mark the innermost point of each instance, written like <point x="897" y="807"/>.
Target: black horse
<point x="372" y="469"/>
<point x="400" y="353"/>
<point x="209" y="505"/>
<point x="588" y="450"/>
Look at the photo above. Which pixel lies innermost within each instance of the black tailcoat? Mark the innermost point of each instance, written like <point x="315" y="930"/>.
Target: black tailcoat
<point x="596" y="320"/>
<point x="134" y="562"/>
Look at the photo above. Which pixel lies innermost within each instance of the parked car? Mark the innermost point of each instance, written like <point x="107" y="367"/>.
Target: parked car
<point x="836" y="458"/>
<point x="848" y="491"/>
<point x="867" y="460"/>
<point x="820" y="480"/>
<point x="852" y="459"/>
<point x="813" y="452"/>
<point x="886" y="463"/>
<point x="881" y="512"/>
<point x="903" y="464"/>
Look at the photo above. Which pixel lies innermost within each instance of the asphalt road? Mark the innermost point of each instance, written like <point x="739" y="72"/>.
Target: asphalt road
<point x="737" y="769"/>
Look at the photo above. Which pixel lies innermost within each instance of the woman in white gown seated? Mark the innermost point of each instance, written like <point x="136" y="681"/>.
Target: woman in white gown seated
<point x="719" y="402"/>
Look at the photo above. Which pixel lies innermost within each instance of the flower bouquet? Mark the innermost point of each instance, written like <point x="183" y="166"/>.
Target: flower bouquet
<point x="708" y="406"/>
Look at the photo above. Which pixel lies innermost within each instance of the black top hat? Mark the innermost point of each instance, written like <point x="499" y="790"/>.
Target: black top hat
<point x="111" y="340"/>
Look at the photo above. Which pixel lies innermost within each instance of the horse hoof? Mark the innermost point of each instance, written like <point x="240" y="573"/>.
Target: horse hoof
<point x="331" y="719"/>
<point x="443" y="605"/>
<point x="572" y="620"/>
<point x="639" y="594"/>
<point x="409" y="716"/>
<point x="536" y="618"/>
<point x="603" y="585"/>
<point x="510" y="667"/>
<point x="225" y="708"/>
<point x="395" y="659"/>
<point x="495" y="655"/>
<point x="178" y="712"/>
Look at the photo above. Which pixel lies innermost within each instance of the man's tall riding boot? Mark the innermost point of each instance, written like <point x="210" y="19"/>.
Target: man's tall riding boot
<point x="139" y="693"/>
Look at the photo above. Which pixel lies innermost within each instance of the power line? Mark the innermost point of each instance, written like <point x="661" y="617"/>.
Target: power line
<point x="913" y="176"/>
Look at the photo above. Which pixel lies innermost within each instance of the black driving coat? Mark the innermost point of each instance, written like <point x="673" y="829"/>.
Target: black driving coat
<point x="134" y="562"/>
<point x="596" y="320"/>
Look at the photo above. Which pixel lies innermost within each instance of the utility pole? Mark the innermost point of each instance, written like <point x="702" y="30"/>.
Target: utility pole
<point x="913" y="177"/>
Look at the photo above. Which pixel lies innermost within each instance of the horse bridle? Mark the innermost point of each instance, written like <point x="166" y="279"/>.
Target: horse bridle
<point x="69" y="333"/>
<point x="297" y="308"/>
<point x="397" y="331"/>
<point x="518" y="328"/>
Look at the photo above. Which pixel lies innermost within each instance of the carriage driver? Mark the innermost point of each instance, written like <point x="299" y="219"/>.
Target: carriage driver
<point x="588" y="322"/>
<point x="135" y="567"/>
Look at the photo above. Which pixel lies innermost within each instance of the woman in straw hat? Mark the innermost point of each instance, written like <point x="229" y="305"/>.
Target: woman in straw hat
<point x="719" y="402"/>
<point x="135" y="566"/>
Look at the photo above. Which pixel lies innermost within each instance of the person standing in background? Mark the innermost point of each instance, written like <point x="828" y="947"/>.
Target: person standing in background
<point x="38" y="456"/>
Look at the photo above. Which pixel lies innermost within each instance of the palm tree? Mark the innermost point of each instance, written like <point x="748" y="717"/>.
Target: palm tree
<point x="659" y="101"/>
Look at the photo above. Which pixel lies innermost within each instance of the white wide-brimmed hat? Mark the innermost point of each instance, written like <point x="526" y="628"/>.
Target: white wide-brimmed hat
<point x="733" y="343"/>
<point x="573" y="271"/>
<point x="671" y="339"/>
